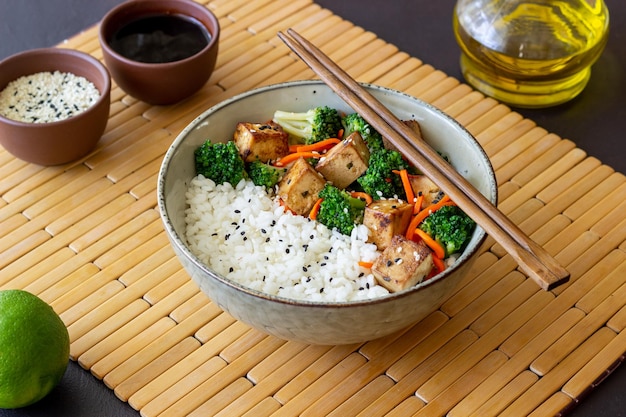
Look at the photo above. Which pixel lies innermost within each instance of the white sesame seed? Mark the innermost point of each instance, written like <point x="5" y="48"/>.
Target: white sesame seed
<point x="47" y="97"/>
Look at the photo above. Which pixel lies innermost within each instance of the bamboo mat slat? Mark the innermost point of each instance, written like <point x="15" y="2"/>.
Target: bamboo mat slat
<point x="88" y="239"/>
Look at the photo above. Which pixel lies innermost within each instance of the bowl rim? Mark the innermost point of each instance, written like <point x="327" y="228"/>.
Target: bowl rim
<point x="78" y="55"/>
<point x="179" y="242"/>
<point x="104" y="42"/>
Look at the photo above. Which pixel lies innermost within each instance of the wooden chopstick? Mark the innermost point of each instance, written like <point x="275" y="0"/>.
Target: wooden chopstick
<point x="534" y="260"/>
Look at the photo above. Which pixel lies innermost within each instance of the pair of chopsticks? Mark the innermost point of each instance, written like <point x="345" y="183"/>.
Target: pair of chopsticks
<point x="535" y="261"/>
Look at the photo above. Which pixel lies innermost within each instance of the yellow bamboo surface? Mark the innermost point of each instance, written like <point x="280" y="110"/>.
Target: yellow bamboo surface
<point x="87" y="238"/>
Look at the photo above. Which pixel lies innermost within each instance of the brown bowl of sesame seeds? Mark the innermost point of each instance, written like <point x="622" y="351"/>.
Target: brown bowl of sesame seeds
<point x="54" y="104"/>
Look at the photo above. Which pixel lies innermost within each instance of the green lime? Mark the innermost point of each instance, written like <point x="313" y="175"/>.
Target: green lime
<point x="34" y="348"/>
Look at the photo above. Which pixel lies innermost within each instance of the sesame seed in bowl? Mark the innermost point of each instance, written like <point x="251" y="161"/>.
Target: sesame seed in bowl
<point x="46" y="97"/>
<point x="54" y="104"/>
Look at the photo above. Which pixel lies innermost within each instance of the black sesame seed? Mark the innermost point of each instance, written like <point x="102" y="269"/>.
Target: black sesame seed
<point x="231" y="269"/>
<point x="389" y="263"/>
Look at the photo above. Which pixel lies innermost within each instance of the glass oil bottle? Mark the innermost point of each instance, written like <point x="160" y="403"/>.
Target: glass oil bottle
<point x="530" y="53"/>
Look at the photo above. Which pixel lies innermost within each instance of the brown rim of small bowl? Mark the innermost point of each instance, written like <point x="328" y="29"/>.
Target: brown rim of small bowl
<point x="106" y="21"/>
<point x="43" y="53"/>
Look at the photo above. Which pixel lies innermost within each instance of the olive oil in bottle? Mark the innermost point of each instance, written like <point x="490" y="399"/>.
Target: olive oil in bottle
<point x="530" y="53"/>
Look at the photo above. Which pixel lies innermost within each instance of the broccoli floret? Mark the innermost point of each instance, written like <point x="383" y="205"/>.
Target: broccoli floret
<point x="264" y="174"/>
<point x="354" y="122"/>
<point x="449" y="226"/>
<point x="379" y="180"/>
<point x="220" y="162"/>
<point x="313" y="126"/>
<point x="339" y="210"/>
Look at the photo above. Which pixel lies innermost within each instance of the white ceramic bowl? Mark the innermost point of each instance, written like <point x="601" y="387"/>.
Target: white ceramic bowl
<point x="317" y="322"/>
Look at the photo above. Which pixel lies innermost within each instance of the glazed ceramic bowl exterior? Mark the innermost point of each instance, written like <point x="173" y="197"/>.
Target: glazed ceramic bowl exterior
<point x="159" y="83"/>
<point x="62" y="141"/>
<point x="317" y="322"/>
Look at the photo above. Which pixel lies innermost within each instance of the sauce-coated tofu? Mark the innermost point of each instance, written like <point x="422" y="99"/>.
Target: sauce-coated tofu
<point x="403" y="264"/>
<point x="300" y="187"/>
<point x="262" y="141"/>
<point x="415" y="127"/>
<point x="385" y="219"/>
<point x="423" y="184"/>
<point x="345" y="162"/>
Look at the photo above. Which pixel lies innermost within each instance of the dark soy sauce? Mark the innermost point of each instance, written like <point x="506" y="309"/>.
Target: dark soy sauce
<point x="160" y="38"/>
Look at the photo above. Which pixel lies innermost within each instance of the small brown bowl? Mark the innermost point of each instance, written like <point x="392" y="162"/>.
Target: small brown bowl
<point x="161" y="82"/>
<point x="56" y="142"/>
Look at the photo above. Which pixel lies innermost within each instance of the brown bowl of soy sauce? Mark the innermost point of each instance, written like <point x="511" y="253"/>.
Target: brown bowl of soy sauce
<point x="160" y="51"/>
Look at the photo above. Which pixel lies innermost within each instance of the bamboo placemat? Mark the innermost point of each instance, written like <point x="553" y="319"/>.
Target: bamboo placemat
<point x="87" y="238"/>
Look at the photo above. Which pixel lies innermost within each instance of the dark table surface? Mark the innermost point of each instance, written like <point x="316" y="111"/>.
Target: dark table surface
<point x="595" y="121"/>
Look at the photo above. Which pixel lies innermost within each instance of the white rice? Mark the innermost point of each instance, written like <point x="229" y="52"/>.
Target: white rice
<point x="47" y="97"/>
<point x="243" y="234"/>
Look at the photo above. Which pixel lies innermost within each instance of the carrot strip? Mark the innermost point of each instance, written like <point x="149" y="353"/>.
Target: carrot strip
<point x="419" y="217"/>
<point x="363" y="196"/>
<point x="322" y="145"/>
<point x="431" y="243"/>
<point x="315" y="209"/>
<point x="417" y="207"/>
<point x="366" y="265"/>
<point x="404" y="176"/>
<point x="287" y="159"/>
<point x="340" y="134"/>
<point x="294" y="148"/>
<point x="440" y="265"/>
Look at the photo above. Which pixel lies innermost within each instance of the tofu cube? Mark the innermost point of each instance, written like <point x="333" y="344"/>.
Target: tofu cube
<point x="385" y="219"/>
<point x="262" y="141"/>
<point x="300" y="187"/>
<point x="422" y="184"/>
<point x="414" y="125"/>
<point x="403" y="264"/>
<point x="345" y="162"/>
